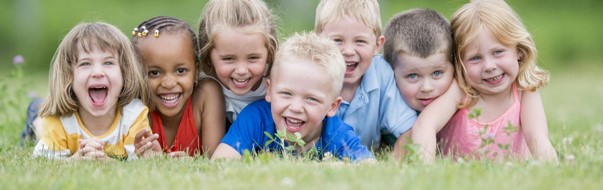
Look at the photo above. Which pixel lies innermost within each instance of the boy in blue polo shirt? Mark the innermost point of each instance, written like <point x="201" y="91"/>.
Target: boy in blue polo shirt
<point x="302" y="97"/>
<point x="371" y="102"/>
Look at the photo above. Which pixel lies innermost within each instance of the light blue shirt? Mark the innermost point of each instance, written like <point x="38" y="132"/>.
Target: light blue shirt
<point x="377" y="104"/>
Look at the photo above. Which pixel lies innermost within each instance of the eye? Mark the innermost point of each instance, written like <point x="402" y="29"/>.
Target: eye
<point x="285" y="93"/>
<point x="499" y="51"/>
<point x="337" y="41"/>
<point x="312" y="99"/>
<point x="474" y="59"/>
<point x="227" y="58"/>
<point x="108" y="63"/>
<point x="153" y="73"/>
<point x="181" y="70"/>
<point x="437" y="73"/>
<point x="83" y="64"/>
<point x="361" y="42"/>
<point x="412" y="76"/>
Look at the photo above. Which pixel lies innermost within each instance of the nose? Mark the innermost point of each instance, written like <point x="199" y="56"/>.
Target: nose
<point x="295" y="106"/>
<point x="489" y="65"/>
<point x="241" y="69"/>
<point x="347" y="49"/>
<point x="98" y="71"/>
<point x="168" y="82"/>
<point x="427" y="86"/>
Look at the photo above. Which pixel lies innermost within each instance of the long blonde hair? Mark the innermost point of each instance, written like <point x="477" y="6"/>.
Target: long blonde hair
<point x="505" y="25"/>
<point x="61" y="100"/>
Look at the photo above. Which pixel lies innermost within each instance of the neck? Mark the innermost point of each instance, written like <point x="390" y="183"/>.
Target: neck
<point x="97" y="125"/>
<point x="348" y="90"/>
<point x="505" y="96"/>
<point x="172" y="121"/>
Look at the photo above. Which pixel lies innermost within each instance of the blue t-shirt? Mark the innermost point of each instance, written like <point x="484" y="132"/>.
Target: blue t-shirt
<point x="377" y="105"/>
<point x="247" y="133"/>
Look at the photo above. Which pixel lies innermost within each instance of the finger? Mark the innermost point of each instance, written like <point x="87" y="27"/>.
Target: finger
<point x="96" y="145"/>
<point x="95" y="155"/>
<point x="143" y="149"/>
<point x="178" y="154"/>
<point x="156" y="147"/>
<point x="139" y="136"/>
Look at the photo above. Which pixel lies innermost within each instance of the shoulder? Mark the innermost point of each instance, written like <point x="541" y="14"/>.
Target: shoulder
<point x="207" y="91"/>
<point x="135" y="107"/>
<point x="379" y="64"/>
<point x="258" y="108"/>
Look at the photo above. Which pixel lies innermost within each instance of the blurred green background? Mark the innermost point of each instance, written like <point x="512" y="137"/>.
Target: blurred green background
<point x="567" y="33"/>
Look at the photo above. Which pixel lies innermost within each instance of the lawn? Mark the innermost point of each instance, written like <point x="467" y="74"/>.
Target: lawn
<point x="571" y="101"/>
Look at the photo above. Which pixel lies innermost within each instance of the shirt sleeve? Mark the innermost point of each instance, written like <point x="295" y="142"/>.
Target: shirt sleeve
<point x="141" y="123"/>
<point x="351" y="147"/>
<point x="54" y="143"/>
<point x="398" y="117"/>
<point x="245" y="130"/>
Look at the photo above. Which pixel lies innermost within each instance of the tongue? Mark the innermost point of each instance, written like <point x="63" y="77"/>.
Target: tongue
<point x="349" y="68"/>
<point x="98" y="95"/>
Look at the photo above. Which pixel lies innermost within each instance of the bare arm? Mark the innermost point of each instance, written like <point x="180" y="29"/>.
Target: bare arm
<point x="534" y="126"/>
<point x="432" y="119"/>
<point x="226" y="152"/>
<point x="213" y="116"/>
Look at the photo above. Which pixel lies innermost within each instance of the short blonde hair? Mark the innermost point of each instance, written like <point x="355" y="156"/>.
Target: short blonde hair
<point x="417" y="32"/>
<point x="320" y="50"/>
<point x="506" y="26"/>
<point x="61" y="100"/>
<point x="365" y="11"/>
<point x="219" y="15"/>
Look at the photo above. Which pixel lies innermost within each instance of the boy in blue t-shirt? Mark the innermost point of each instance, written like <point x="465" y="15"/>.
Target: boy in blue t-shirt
<point x="302" y="97"/>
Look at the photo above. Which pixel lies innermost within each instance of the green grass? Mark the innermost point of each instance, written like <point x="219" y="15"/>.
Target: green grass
<point x="572" y="103"/>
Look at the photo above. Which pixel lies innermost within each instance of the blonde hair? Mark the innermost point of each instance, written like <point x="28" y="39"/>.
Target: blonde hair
<point x="321" y="51"/>
<point x="417" y="32"/>
<point x="218" y="15"/>
<point x="61" y="100"/>
<point x="365" y="11"/>
<point x="505" y="25"/>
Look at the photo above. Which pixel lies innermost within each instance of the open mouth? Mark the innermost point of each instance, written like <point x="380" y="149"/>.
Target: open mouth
<point x="98" y="95"/>
<point x="494" y="80"/>
<point x="240" y="83"/>
<point x="293" y="125"/>
<point x="169" y="100"/>
<point x="350" y="67"/>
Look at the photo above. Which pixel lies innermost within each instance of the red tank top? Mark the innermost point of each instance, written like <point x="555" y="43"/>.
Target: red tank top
<point x="187" y="138"/>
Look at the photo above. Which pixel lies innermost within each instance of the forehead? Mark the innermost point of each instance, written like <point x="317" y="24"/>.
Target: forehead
<point x="347" y="25"/>
<point x="167" y="47"/>
<point x="406" y="61"/>
<point x="304" y="73"/>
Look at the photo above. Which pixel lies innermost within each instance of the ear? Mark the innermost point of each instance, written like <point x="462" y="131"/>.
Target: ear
<point x="334" y="106"/>
<point x="519" y="56"/>
<point x="379" y="44"/>
<point x="268" y="94"/>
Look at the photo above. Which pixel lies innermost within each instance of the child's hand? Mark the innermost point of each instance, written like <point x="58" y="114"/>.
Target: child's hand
<point x="90" y="149"/>
<point x="178" y="154"/>
<point x="146" y="144"/>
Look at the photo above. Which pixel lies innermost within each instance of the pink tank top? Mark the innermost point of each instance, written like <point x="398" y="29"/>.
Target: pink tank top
<point x="471" y="139"/>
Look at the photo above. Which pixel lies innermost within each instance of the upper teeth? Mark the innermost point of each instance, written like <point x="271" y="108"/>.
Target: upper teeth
<point x="295" y="121"/>
<point x="240" y="80"/>
<point x="169" y="96"/>
<point x="494" y="78"/>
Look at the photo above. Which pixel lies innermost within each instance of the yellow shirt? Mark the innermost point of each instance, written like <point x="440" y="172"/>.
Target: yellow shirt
<point x="60" y="135"/>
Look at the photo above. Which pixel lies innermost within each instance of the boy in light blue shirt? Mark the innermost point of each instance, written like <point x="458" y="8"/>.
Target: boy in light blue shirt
<point x="371" y="101"/>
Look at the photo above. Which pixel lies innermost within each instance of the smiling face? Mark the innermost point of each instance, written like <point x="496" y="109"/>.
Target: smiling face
<point x="97" y="82"/>
<point x="357" y="43"/>
<point x="170" y="63"/>
<point x="239" y="59"/>
<point x="301" y="95"/>
<point x="491" y="67"/>
<point x="421" y="80"/>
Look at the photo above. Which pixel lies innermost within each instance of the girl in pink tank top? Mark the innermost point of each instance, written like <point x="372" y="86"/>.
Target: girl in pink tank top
<point x="498" y="112"/>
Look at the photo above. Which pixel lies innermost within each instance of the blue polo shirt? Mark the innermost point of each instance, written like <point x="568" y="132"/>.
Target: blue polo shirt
<point x="247" y="133"/>
<point x="377" y="105"/>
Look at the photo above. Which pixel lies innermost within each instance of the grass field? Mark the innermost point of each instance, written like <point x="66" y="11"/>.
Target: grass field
<point x="566" y="32"/>
<point x="573" y="107"/>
